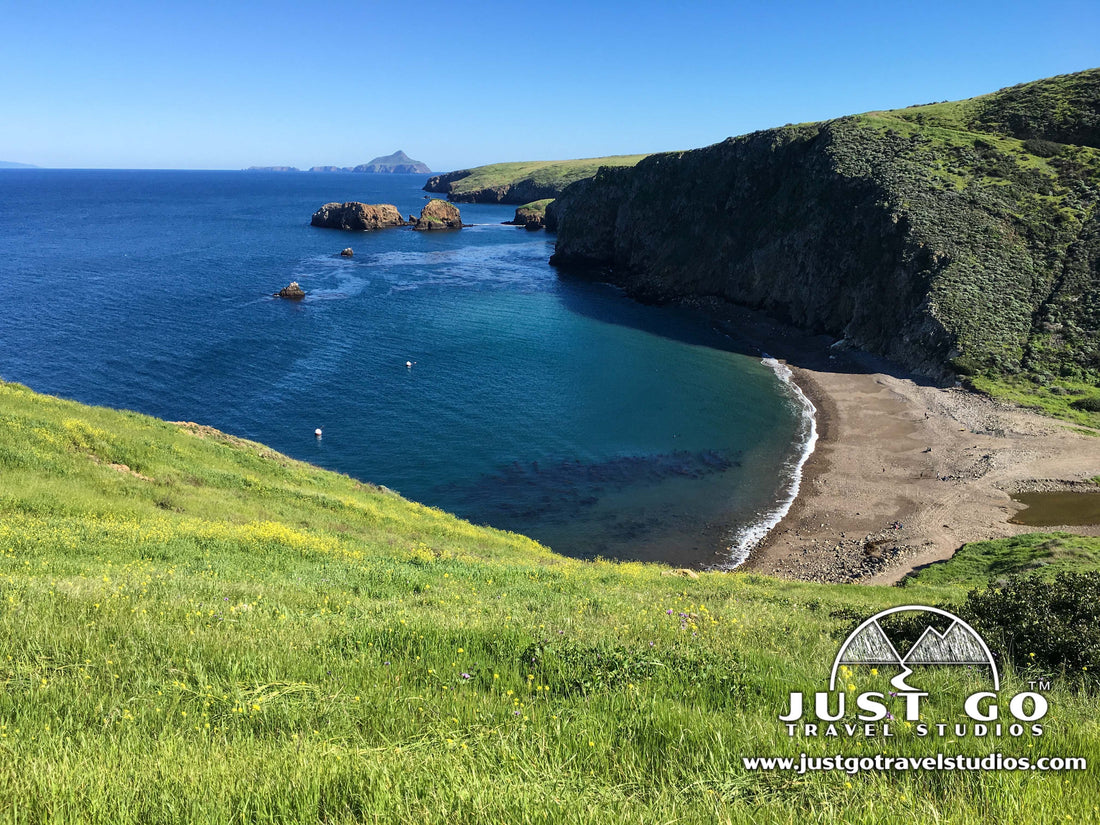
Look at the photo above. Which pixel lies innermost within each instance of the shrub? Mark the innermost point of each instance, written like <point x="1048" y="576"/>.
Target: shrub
<point x="964" y="365"/>
<point x="1090" y="403"/>
<point x="1053" y="625"/>
<point x="1043" y="148"/>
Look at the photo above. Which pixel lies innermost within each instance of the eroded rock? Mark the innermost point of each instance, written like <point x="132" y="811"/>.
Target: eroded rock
<point x="438" y="214"/>
<point x="357" y="217"/>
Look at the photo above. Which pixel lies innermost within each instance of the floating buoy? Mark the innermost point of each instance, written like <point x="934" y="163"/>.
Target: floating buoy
<point x="317" y="432"/>
<point x="409" y="364"/>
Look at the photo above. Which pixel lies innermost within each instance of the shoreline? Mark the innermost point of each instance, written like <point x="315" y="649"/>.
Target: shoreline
<point x="750" y="537"/>
<point x="904" y="471"/>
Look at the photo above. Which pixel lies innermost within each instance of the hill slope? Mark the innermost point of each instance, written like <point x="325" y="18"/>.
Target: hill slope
<point x="198" y="629"/>
<point x="955" y="237"/>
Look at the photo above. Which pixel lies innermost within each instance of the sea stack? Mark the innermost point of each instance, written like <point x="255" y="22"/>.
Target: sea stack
<point x="438" y="214"/>
<point x="357" y="217"/>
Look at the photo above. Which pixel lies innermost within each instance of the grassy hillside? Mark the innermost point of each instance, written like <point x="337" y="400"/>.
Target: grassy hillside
<point x="195" y="628"/>
<point x="521" y="182"/>
<point x="956" y="238"/>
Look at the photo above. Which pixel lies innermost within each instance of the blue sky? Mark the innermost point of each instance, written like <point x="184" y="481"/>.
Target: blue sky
<point x="196" y="85"/>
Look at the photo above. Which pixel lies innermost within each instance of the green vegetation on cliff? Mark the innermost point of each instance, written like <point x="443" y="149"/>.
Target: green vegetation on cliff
<point x="521" y="182"/>
<point x="198" y="629"/>
<point x="954" y="237"/>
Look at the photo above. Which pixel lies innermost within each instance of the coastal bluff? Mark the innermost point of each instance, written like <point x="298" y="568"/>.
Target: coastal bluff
<point x="958" y="239"/>
<point x="357" y="217"/>
<point x="520" y="182"/>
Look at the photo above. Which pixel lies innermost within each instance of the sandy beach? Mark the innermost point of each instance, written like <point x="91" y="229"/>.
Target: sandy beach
<point x="905" y="472"/>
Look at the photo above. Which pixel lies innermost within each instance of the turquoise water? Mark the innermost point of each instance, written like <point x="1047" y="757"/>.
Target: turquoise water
<point x="545" y="405"/>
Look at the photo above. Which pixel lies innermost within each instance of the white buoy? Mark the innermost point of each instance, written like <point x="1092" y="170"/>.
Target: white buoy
<point x="409" y="364"/>
<point x="317" y="432"/>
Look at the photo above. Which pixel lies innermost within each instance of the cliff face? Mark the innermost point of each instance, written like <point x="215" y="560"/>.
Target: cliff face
<point x="910" y="233"/>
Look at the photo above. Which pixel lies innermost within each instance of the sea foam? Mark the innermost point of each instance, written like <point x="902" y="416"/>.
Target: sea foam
<point x="745" y="539"/>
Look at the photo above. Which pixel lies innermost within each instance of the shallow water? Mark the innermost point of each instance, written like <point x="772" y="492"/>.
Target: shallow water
<point x="549" y="406"/>
<point x="1057" y="508"/>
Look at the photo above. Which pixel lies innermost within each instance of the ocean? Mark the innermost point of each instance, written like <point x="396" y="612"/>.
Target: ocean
<point x="547" y="405"/>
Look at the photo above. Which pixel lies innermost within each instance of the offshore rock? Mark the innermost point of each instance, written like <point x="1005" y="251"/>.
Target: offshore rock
<point x="438" y="214"/>
<point x="531" y="215"/>
<point x="357" y="217"/>
<point x="292" y="291"/>
<point x="346" y="253"/>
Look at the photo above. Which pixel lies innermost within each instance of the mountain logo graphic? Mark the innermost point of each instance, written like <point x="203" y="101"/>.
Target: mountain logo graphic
<point x="957" y="644"/>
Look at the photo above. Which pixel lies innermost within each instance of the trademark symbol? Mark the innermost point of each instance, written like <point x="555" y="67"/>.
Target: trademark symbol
<point x="1042" y="684"/>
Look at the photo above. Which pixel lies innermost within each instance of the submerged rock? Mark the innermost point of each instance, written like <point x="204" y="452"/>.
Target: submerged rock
<point x="438" y="214"/>
<point x="346" y="253"/>
<point x="357" y="217"/>
<point x="292" y="291"/>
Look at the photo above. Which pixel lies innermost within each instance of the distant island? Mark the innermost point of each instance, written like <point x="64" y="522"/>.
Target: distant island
<point x="396" y="164"/>
<point x="7" y="164"/>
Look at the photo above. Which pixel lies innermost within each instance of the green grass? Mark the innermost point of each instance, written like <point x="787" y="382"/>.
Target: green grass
<point x="535" y="207"/>
<point x="980" y="562"/>
<point x="1054" y="398"/>
<point x="216" y="633"/>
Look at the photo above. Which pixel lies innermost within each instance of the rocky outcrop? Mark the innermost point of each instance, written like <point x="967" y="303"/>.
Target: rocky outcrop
<point x="438" y="214"/>
<point x="292" y="291"/>
<point x="531" y="215"/>
<point x="329" y="169"/>
<point x="912" y="234"/>
<point x="357" y="217"/>
<point x="346" y="253"/>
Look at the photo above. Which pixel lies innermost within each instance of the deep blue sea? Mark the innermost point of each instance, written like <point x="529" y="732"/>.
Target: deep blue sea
<point x="550" y="406"/>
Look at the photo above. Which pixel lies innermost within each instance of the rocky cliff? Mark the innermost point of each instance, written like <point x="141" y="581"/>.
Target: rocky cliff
<point x="357" y="217"/>
<point x="953" y="238"/>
